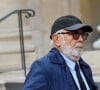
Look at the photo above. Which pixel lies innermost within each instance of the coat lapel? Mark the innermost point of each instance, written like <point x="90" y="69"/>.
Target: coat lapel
<point x="86" y="70"/>
<point x="70" y="80"/>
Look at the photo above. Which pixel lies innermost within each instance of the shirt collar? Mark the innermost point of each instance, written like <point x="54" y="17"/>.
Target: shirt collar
<point x="69" y="62"/>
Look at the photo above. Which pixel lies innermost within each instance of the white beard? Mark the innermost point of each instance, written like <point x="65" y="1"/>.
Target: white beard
<point x="77" y="53"/>
<point x="72" y="53"/>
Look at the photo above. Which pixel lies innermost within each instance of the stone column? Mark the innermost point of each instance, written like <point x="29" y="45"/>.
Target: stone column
<point x="96" y="44"/>
<point x="72" y="7"/>
<point x="36" y="27"/>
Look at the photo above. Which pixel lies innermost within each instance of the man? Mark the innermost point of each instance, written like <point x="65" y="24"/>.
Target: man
<point x="63" y="68"/>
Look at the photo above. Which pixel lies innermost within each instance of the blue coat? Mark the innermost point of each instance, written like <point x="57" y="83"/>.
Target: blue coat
<point x="51" y="73"/>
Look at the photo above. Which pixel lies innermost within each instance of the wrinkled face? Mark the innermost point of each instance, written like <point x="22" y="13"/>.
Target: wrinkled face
<point x="70" y="43"/>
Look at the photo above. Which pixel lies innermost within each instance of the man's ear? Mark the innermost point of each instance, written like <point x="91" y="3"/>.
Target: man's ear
<point x="56" y="40"/>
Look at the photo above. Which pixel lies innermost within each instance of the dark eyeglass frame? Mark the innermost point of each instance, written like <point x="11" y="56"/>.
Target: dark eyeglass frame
<point x="76" y="34"/>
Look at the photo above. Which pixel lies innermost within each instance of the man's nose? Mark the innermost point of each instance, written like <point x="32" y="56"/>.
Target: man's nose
<point x="80" y="38"/>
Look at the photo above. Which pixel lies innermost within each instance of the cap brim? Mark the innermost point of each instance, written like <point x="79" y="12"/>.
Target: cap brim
<point x="84" y="27"/>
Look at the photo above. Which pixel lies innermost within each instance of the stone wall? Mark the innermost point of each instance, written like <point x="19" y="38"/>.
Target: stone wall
<point x="10" y="50"/>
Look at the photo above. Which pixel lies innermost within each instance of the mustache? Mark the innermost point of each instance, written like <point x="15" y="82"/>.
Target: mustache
<point x="78" y="45"/>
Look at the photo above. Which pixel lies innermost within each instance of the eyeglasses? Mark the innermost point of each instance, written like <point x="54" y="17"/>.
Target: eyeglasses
<point x="76" y="34"/>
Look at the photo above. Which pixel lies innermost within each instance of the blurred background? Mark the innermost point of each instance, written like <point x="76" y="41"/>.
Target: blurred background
<point x="24" y="38"/>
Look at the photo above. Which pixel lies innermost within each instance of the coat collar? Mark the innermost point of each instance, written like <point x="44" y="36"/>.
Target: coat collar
<point x="56" y="58"/>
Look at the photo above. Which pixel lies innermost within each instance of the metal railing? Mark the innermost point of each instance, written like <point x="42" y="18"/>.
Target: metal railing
<point x="28" y="13"/>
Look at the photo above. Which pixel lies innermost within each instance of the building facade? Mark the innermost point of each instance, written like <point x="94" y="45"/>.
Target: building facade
<point x="36" y="30"/>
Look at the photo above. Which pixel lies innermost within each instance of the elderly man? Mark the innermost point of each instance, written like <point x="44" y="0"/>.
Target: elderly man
<point x="63" y="68"/>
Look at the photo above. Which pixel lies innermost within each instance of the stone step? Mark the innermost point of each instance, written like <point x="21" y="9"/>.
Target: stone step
<point x="15" y="48"/>
<point x="9" y="41"/>
<point x="12" y="80"/>
<point x="10" y="62"/>
<point x="15" y="34"/>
